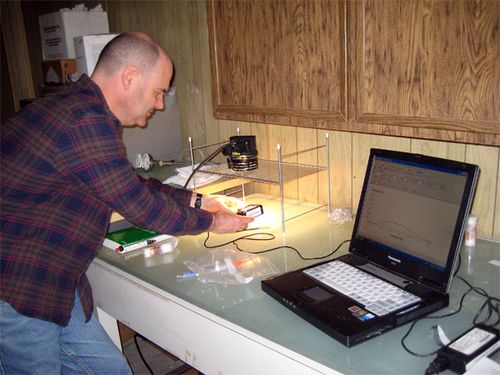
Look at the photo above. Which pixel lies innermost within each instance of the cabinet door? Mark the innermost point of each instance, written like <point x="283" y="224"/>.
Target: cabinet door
<point x="278" y="61"/>
<point x="429" y="68"/>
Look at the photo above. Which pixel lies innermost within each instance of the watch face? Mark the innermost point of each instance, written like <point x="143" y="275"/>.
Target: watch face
<point x="147" y="162"/>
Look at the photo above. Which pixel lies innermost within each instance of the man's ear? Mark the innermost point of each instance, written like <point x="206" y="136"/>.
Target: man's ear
<point x="130" y="74"/>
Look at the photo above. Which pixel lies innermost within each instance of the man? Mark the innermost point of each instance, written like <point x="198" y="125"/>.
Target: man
<point x="64" y="169"/>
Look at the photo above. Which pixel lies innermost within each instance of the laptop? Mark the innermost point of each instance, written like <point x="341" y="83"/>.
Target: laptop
<point x="407" y="236"/>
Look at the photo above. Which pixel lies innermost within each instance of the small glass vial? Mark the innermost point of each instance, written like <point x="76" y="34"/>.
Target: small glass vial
<point x="470" y="231"/>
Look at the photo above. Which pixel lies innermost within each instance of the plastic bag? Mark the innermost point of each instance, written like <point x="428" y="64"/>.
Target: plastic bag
<point x="230" y="267"/>
<point x="340" y="215"/>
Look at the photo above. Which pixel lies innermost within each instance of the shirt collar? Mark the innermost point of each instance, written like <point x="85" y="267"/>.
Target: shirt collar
<point x="96" y="95"/>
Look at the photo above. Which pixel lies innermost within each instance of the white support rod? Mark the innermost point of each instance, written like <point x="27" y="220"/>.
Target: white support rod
<point x="242" y="183"/>
<point x="329" y="172"/>
<point x="192" y="160"/>
<point x="280" y="173"/>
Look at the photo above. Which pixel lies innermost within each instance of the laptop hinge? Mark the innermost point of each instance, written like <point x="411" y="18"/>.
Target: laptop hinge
<point x="386" y="275"/>
<point x="429" y="283"/>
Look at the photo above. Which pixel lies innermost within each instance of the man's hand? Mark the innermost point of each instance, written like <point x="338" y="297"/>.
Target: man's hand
<point x="214" y="203"/>
<point x="224" y="210"/>
<point x="227" y="222"/>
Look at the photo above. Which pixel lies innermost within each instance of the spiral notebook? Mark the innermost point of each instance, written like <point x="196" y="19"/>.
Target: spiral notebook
<point x="132" y="238"/>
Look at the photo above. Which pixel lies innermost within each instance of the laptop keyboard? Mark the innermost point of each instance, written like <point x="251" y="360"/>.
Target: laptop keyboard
<point x="376" y="295"/>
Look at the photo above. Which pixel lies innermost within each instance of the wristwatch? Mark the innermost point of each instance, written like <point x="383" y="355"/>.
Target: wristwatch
<point x="197" y="202"/>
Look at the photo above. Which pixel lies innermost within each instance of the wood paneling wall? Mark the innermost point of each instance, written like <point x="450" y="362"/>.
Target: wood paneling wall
<point x="18" y="65"/>
<point x="30" y="12"/>
<point x="181" y="27"/>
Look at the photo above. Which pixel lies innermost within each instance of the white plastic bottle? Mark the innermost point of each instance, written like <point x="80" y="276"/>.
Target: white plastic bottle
<point x="470" y="231"/>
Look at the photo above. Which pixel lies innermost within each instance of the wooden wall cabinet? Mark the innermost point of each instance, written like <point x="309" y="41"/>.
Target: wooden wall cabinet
<point x="429" y="69"/>
<point x="414" y="68"/>
<point x="279" y="61"/>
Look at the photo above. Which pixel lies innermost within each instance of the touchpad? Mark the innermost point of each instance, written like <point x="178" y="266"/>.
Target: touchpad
<point x="314" y="294"/>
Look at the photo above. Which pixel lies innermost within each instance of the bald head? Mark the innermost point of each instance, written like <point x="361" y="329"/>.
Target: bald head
<point x="132" y="48"/>
<point x="133" y="73"/>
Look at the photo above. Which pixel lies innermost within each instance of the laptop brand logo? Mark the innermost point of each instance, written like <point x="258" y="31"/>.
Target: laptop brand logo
<point x="394" y="259"/>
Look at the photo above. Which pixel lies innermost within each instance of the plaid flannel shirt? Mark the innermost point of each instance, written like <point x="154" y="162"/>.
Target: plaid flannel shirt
<point x="63" y="170"/>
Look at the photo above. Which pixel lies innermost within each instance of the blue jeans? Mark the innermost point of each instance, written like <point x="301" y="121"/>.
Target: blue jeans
<point x="34" y="346"/>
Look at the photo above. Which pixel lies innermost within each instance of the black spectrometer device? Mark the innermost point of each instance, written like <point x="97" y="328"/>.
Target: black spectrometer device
<point x="253" y="210"/>
<point x="241" y="153"/>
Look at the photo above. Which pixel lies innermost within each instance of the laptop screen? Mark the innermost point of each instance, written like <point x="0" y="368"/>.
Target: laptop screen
<point x="411" y="214"/>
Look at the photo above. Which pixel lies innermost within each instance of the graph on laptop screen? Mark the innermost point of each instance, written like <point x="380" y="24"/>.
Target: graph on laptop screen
<point x="412" y="209"/>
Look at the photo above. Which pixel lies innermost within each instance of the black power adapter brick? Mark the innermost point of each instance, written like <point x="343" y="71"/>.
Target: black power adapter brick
<point x="466" y="350"/>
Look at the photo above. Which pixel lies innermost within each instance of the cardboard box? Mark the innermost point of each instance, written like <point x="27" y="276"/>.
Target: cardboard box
<point x="58" y="29"/>
<point x="87" y="51"/>
<point x="59" y="72"/>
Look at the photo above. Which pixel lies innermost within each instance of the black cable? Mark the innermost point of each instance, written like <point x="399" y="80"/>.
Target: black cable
<point x="203" y="162"/>
<point x="430" y="317"/>
<point x="140" y="352"/>
<point x="270" y="236"/>
<point x="491" y="302"/>
<point x="245" y="237"/>
<point x="439" y="364"/>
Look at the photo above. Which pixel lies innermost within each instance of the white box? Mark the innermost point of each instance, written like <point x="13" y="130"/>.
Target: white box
<point x="58" y="29"/>
<point x="87" y="50"/>
<point x="161" y="137"/>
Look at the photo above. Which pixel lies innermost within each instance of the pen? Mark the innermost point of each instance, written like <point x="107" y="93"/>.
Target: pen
<point x="187" y="274"/>
<point x="138" y="245"/>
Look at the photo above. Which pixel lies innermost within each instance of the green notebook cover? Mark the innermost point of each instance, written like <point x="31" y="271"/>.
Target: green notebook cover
<point x="132" y="238"/>
<point x="131" y="235"/>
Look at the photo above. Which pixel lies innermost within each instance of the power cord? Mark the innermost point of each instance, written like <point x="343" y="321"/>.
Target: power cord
<point x="489" y="309"/>
<point x="491" y="305"/>
<point x="140" y="352"/>
<point x="203" y="162"/>
<point x="412" y="325"/>
<point x="439" y="364"/>
<point x="267" y="237"/>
